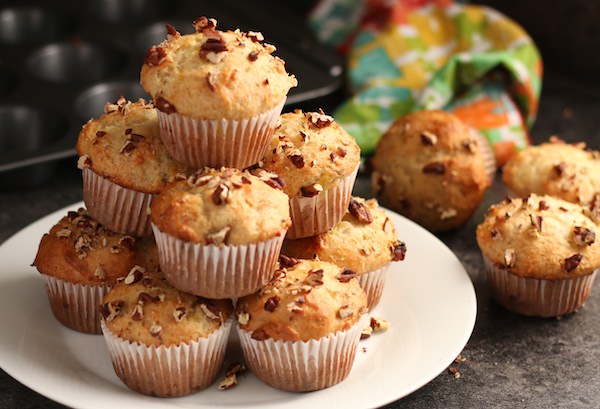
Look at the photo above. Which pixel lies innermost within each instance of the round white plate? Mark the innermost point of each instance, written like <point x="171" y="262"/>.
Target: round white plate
<point x="429" y="300"/>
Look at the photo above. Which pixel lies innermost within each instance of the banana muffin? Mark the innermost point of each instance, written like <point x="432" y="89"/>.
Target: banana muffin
<point x="219" y="94"/>
<point x="318" y="162"/>
<point x="541" y="254"/>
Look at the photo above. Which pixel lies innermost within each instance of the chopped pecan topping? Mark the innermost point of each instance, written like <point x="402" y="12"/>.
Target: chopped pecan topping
<point x="211" y="311"/>
<point x="319" y="119"/>
<point x="134" y="275"/>
<point x="243" y="318"/>
<point x="437" y="168"/>
<point x="314" y="278"/>
<point x="213" y="49"/>
<point x="304" y="136"/>
<point x="536" y="222"/>
<point x="559" y="168"/>
<point x="583" y="236"/>
<point x="144" y="298"/>
<point x="221" y="194"/>
<point x="155" y="330"/>
<point x="219" y="237"/>
<point x="345" y="312"/>
<point x="286" y="261"/>
<point x="294" y="308"/>
<point x="428" y="138"/>
<point x="64" y="233"/>
<point x="204" y="23"/>
<point x="360" y="211"/>
<point x="379" y="325"/>
<point x="495" y="233"/>
<point x="346" y="275"/>
<point x="272" y="303"/>
<point x="255" y="36"/>
<point x="111" y="310"/>
<point x="100" y="134"/>
<point x="179" y="313"/>
<point x="155" y="56"/>
<point x="127" y="242"/>
<point x="366" y="332"/>
<point x="571" y="263"/>
<point x="259" y="334"/>
<point x="138" y="312"/>
<point x="333" y="156"/>
<point x="447" y="213"/>
<point x="296" y="157"/>
<point x="210" y="81"/>
<point x="230" y="379"/>
<point x="253" y="56"/>
<point x="510" y="258"/>
<point x="171" y="31"/>
<point x="342" y="152"/>
<point x="311" y="190"/>
<point x="83" y="162"/>
<point x="164" y="106"/>
<point x="100" y="273"/>
<point x="543" y="205"/>
<point x="469" y="145"/>
<point x="398" y="251"/>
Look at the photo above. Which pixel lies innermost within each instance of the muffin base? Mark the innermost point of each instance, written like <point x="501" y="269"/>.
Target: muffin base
<point x="120" y="209"/>
<point x="373" y="283"/>
<point x="76" y="305"/>
<point x="538" y="297"/>
<point x="303" y="366"/>
<point x="217" y="272"/>
<point x="215" y="143"/>
<point x="176" y="370"/>
<point x="314" y="215"/>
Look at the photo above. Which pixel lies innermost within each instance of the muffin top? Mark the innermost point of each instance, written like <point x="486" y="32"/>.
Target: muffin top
<point x="541" y="237"/>
<point x="144" y="308"/>
<point x="310" y="152"/>
<point x="430" y="168"/>
<point x="80" y="250"/>
<point x="568" y="171"/>
<point x="222" y="207"/>
<point x="124" y="146"/>
<point x="213" y="74"/>
<point x="307" y="299"/>
<point x="363" y="241"/>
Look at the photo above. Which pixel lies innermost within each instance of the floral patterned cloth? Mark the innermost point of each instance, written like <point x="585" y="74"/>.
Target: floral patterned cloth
<point x="409" y="55"/>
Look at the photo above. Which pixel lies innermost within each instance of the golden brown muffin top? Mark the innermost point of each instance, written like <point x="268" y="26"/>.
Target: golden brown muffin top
<point x="568" y="171"/>
<point x="145" y="308"/>
<point x="363" y="241"/>
<point x="80" y="250"/>
<point x="540" y="237"/>
<point x="222" y="207"/>
<point x="214" y="74"/>
<point x="310" y="152"/>
<point x="124" y="146"/>
<point x="430" y="168"/>
<point x="306" y="300"/>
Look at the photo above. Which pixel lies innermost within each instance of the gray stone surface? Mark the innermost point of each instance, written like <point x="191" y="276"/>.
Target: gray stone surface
<point x="510" y="361"/>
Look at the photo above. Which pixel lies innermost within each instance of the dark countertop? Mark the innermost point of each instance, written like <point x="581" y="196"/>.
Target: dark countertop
<point x="510" y="360"/>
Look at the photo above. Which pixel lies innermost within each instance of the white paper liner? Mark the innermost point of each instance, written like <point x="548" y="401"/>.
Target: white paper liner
<point x="303" y="366"/>
<point x="120" y="209"/>
<point x="176" y="370"/>
<point x="491" y="165"/>
<point x="314" y="215"/>
<point x="538" y="297"/>
<point x="373" y="283"/>
<point x="217" y="272"/>
<point x="76" y="305"/>
<point x="215" y="143"/>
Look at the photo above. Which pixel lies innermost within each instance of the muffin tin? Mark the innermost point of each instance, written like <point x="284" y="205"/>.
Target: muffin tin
<point x="61" y="61"/>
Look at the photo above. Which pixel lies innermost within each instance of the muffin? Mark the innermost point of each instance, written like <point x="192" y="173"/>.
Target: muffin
<point x="430" y="167"/>
<point x="124" y="165"/>
<point x="541" y="254"/>
<point x="219" y="232"/>
<point x="301" y="331"/>
<point x="163" y="342"/>
<point x="80" y="260"/>
<point x="364" y="241"/>
<point x="567" y="171"/>
<point x="219" y="94"/>
<point x="317" y="161"/>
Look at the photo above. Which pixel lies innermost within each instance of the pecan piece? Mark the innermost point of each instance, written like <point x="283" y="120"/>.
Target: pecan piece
<point x="583" y="236"/>
<point x="571" y="263"/>
<point x="286" y="261"/>
<point x="398" y="251"/>
<point x="360" y="211"/>
<point x="111" y="310"/>
<point x="346" y="275"/>
<point x="272" y="303"/>
<point x="164" y="106"/>
<point x="510" y="258"/>
<point x="221" y="194"/>
<point x="134" y="275"/>
<point x="428" y="138"/>
<point x="437" y="168"/>
<point x="296" y="157"/>
<point x="253" y="56"/>
<point x="155" y="56"/>
<point x="311" y="191"/>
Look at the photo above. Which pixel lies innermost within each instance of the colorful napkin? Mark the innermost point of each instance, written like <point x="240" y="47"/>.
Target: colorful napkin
<point x="410" y="55"/>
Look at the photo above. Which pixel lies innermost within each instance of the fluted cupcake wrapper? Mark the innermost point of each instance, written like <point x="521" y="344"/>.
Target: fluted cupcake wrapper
<point x="303" y="365"/>
<point x="120" y="209"/>
<point x="212" y="271"/>
<point x="538" y="297"/>
<point x="491" y="165"/>
<point x="215" y="143"/>
<point x="176" y="370"/>
<point x="314" y="215"/>
<point x="373" y="283"/>
<point x="76" y="305"/>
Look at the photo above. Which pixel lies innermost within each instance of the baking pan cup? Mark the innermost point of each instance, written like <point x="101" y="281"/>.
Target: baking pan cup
<point x="303" y="366"/>
<point x="76" y="305"/>
<point x="373" y="283"/>
<point x="314" y="215"/>
<point x="217" y="271"/>
<point x="120" y="209"/>
<point x="176" y="370"/>
<point x="538" y="297"/>
<point x="215" y="143"/>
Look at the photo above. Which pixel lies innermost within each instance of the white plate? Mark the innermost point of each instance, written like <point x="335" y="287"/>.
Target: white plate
<point x="429" y="300"/>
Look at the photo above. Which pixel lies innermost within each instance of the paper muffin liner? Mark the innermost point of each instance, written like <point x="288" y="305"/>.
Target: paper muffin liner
<point x="489" y="158"/>
<point x="212" y="271"/>
<point x="76" y="305"/>
<point x="176" y="370"/>
<point x="120" y="209"/>
<point x="303" y="365"/>
<point x="538" y="297"/>
<point x="373" y="283"/>
<point x="215" y="143"/>
<point x="314" y="215"/>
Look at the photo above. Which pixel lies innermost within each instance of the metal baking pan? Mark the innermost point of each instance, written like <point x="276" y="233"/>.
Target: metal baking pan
<point x="61" y="61"/>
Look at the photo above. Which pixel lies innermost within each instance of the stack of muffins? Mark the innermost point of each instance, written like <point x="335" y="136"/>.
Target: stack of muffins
<point x="189" y="199"/>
